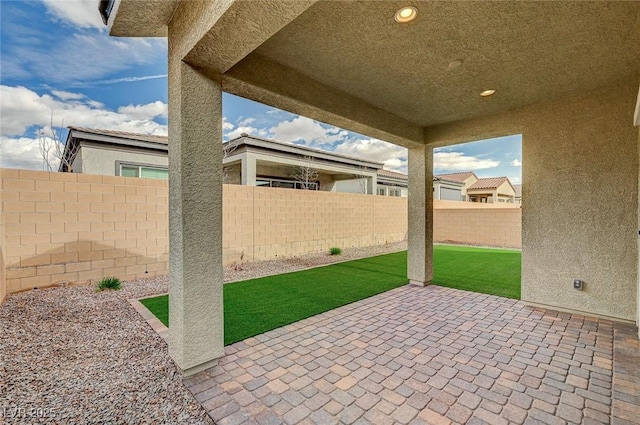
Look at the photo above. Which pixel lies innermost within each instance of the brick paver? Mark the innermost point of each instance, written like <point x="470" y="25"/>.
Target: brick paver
<point x="430" y="355"/>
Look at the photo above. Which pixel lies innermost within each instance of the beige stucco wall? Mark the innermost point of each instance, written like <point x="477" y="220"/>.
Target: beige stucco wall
<point x="580" y="165"/>
<point x="102" y="159"/>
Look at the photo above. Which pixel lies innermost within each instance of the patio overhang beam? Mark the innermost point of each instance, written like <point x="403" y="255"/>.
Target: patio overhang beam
<point x="237" y="31"/>
<point x="273" y="84"/>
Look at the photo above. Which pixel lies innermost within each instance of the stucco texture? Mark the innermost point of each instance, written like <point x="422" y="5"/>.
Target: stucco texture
<point x="195" y="217"/>
<point x="580" y="168"/>
<point x="420" y="235"/>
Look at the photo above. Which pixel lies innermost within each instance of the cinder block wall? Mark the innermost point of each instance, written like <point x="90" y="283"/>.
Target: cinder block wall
<point x="81" y="227"/>
<point x="268" y="223"/>
<point x="500" y="227"/>
<point x="3" y="277"/>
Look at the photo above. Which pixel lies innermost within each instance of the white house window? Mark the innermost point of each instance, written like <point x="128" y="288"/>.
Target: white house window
<point x="382" y="191"/>
<point x="144" y="172"/>
<point x="394" y="192"/>
<point x="287" y="184"/>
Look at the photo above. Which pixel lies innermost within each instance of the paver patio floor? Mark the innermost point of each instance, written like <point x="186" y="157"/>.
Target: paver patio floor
<point x="429" y="356"/>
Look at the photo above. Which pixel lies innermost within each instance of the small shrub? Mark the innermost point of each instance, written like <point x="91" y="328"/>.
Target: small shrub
<point x="335" y="251"/>
<point x="109" y="283"/>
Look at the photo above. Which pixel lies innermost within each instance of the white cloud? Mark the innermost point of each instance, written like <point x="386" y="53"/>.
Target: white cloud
<point x="458" y="161"/>
<point x="24" y="153"/>
<point x="145" y="112"/>
<point x="392" y="156"/>
<point x="516" y="163"/>
<point x="515" y="180"/>
<point x="226" y="125"/>
<point x="81" y="59"/>
<point x="122" y="80"/>
<point x="302" y="129"/>
<point x="23" y="109"/>
<point x="246" y="121"/>
<point x="81" y="13"/>
<point x="239" y="131"/>
<point x="65" y="95"/>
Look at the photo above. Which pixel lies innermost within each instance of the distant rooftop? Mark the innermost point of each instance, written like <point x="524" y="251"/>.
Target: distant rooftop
<point x="123" y="134"/>
<point x="162" y="142"/>
<point x="387" y="173"/>
<point x="456" y="177"/>
<point x="301" y="150"/>
<point x="489" y="183"/>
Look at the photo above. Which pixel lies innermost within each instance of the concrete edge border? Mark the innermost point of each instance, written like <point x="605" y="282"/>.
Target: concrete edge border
<point x="148" y="316"/>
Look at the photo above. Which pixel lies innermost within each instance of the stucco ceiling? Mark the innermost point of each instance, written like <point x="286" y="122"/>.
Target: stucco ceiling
<point x="527" y="51"/>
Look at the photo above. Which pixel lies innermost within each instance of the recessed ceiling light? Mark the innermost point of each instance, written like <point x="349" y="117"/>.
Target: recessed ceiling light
<point x="487" y="93"/>
<point x="406" y="14"/>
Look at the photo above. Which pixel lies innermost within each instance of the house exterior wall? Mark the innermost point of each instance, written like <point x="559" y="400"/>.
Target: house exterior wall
<point x="506" y="192"/>
<point x="100" y="159"/>
<point x="585" y="147"/>
<point x="351" y="186"/>
<point x="76" y="165"/>
<point x="232" y="174"/>
<point x="443" y="190"/>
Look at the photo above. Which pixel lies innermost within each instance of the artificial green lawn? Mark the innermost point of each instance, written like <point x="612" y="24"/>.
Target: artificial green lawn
<point x="256" y="306"/>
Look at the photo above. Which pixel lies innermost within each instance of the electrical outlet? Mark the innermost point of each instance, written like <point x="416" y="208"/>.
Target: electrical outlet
<point x="578" y="284"/>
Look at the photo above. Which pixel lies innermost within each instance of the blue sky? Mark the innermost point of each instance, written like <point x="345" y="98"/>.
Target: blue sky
<point x="57" y="58"/>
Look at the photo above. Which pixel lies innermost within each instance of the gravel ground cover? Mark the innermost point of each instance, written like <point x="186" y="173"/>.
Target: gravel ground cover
<point x="77" y="356"/>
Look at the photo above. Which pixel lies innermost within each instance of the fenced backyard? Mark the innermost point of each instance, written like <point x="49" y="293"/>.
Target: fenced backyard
<point x="63" y="227"/>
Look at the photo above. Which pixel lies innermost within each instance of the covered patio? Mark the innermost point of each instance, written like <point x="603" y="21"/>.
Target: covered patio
<point x="566" y="78"/>
<point x="429" y="355"/>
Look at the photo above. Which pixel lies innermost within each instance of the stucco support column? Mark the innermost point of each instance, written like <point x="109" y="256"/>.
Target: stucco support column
<point x="195" y="219"/>
<point x="420" y="238"/>
<point x="372" y="185"/>
<point x="248" y="170"/>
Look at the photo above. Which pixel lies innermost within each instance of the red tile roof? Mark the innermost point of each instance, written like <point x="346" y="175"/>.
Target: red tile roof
<point x="387" y="173"/>
<point x="489" y="183"/>
<point x="457" y="177"/>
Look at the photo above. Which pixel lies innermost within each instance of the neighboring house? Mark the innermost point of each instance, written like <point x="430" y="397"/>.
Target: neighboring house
<point x="254" y="161"/>
<point x="491" y="190"/>
<point x="391" y="183"/>
<point x="115" y="153"/>
<point x="248" y="160"/>
<point x="466" y="178"/>
<point x="474" y="189"/>
<point x="447" y="190"/>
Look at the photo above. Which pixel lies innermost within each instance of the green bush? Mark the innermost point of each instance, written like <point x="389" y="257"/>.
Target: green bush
<point x="335" y="251"/>
<point x="109" y="283"/>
